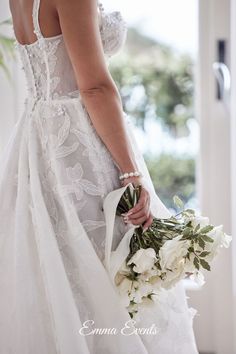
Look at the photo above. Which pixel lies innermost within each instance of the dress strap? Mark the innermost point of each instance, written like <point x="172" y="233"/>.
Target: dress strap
<point x="35" y="15"/>
<point x="42" y="44"/>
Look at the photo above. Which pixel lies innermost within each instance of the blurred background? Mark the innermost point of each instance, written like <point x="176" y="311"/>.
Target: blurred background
<point x="177" y="78"/>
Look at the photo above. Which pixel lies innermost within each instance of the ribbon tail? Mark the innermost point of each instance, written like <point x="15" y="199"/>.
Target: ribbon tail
<point x="113" y="260"/>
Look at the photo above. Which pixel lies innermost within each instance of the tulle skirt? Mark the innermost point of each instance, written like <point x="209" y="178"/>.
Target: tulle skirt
<point x="55" y="293"/>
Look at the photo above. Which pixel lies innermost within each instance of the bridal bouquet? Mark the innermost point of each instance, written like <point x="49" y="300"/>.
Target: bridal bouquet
<point x="169" y="250"/>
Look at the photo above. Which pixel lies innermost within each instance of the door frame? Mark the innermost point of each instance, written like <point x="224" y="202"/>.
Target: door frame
<point x="233" y="151"/>
<point x="214" y="325"/>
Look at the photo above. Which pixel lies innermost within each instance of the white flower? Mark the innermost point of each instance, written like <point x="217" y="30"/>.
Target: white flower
<point x="149" y="274"/>
<point x="127" y="289"/>
<point x="220" y="238"/>
<point x="172" y="252"/>
<point x="171" y="277"/>
<point x="198" y="277"/>
<point x="145" y="288"/>
<point x="226" y="241"/>
<point x="123" y="272"/>
<point x="143" y="259"/>
<point x="172" y="260"/>
<point x="200" y="220"/>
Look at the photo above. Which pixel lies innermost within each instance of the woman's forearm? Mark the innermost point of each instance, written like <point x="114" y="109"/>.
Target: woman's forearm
<point x="104" y="106"/>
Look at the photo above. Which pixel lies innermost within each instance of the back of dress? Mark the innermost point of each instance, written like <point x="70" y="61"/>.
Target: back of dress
<point x="48" y="69"/>
<point x="55" y="173"/>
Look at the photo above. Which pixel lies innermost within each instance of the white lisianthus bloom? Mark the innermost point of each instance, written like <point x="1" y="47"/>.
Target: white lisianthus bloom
<point x="145" y="288"/>
<point x="126" y="290"/>
<point x="143" y="260"/>
<point x="134" y="309"/>
<point x="200" y="220"/>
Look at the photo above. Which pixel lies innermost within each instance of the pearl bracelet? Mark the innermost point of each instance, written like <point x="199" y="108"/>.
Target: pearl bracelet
<point x="130" y="174"/>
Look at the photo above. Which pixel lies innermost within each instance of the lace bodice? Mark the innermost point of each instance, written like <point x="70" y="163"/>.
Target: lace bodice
<point x="47" y="66"/>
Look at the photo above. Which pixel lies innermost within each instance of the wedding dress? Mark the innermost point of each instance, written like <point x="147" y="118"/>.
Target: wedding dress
<point x="55" y="174"/>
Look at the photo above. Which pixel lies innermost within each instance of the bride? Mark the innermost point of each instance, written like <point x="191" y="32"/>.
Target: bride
<point x="65" y="154"/>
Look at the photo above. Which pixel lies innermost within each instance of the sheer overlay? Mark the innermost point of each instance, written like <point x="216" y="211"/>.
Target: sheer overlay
<point x="55" y="174"/>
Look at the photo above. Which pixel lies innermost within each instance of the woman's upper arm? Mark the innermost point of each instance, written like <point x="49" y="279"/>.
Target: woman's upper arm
<point x="80" y="28"/>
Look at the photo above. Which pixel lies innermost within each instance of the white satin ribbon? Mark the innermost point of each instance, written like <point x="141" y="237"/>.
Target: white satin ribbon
<point x="114" y="259"/>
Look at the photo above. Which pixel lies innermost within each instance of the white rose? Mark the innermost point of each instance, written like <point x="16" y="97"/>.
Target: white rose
<point x="172" y="260"/>
<point x="172" y="252"/>
<point x="220" y="238"/>
<point x="143" y="259"/>
<point x="200" y="220"/>
<point x="171" y="278"/>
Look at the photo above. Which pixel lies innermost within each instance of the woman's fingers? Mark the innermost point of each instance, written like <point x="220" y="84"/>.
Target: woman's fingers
<point x="148" y="222"/>
<point x="138" y="221"/>
<point x="141" y="202"/>
<point x="142" y="212"/>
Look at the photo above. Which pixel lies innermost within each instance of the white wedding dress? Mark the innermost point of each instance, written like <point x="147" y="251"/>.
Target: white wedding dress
<point x="55" y="174"/>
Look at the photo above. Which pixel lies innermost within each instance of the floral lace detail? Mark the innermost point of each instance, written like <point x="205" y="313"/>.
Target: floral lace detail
<point x="113" y="32"/>
<point x="77" y="170"/>
<point x="77" y="184"/>
<point x="46" y="60"/>
<point x="35" y="67"/>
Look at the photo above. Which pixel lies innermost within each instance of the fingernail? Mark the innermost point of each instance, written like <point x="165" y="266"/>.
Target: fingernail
<point x="127" y="221"/>
<point x="145" y="229"/>
<point x="124" y="214"/>
<point x="129" y="213"/>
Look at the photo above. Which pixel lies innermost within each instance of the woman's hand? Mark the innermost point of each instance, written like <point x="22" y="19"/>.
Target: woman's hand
<point x="140" y="214"/>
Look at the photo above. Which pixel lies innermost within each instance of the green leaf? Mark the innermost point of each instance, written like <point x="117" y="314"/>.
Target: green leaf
<point x="197" y="228"/>
<point x="178" y="202"/>
<point x="207" y="229"/>
<point x="207" y="238"/>
<point x="188" y="256"/>
<point x="196" y="262"/>
<point x="204" y="254"/>
<point x="187" y="232"/>
<point x="205" y="264"/>
<point x="201" y="243"/>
